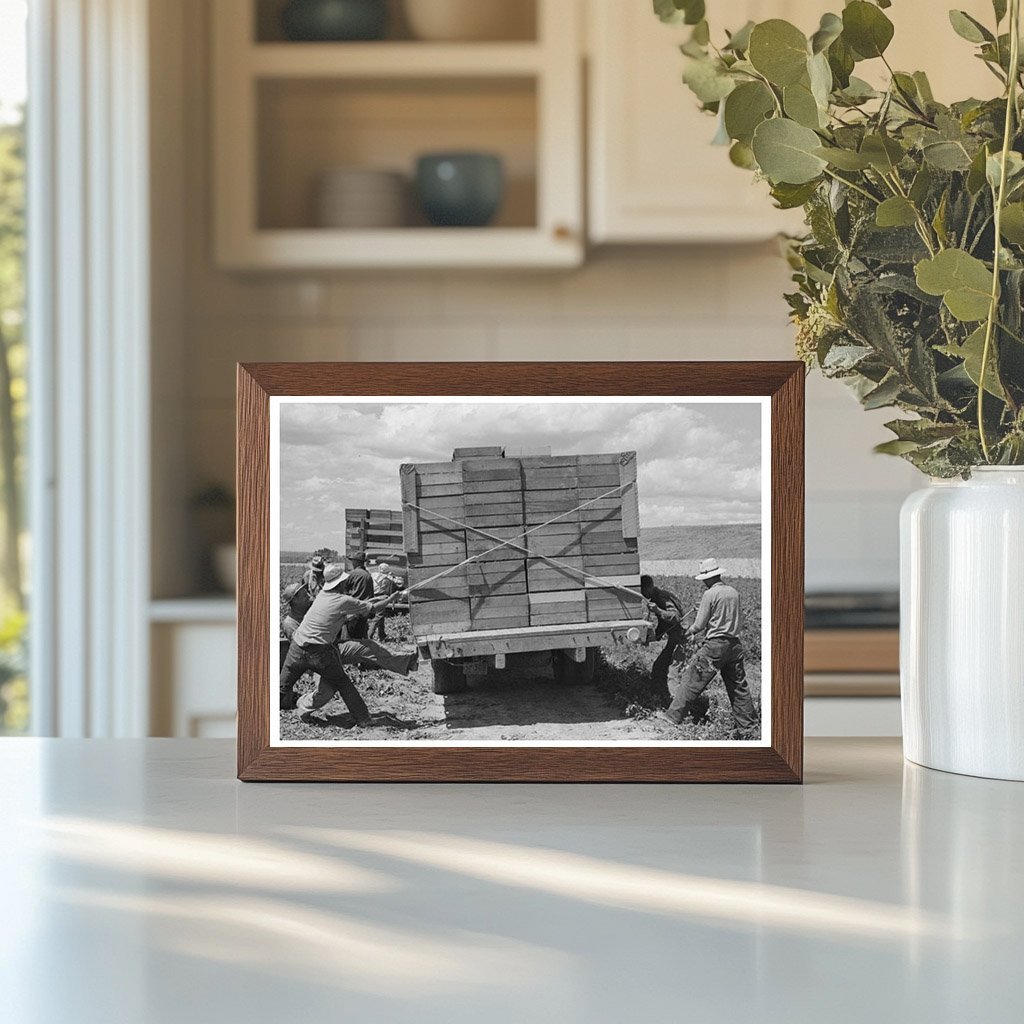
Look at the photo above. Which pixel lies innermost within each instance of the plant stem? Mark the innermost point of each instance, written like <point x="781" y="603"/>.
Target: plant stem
<point x="922" y="225"/>
<point x="856" y="188"/>
<point x="993" y="309"/>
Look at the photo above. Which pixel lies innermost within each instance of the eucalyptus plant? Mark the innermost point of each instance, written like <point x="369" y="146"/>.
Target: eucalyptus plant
<point x="909" y="280"/>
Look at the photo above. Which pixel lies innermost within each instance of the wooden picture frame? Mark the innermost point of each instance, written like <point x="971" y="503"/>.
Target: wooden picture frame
<point x="779" y="759"/>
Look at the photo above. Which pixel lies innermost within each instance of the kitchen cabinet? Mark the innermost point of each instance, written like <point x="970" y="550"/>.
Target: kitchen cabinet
<point x="653" y="175"/>
<point x="286" y="113"/>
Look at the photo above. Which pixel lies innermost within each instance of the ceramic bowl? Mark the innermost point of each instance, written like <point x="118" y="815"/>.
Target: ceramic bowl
<point x="460" y="189"/>
<point x="358" y="197"/>
<point x="334" y="20"/>
<point x="470" y="20"/>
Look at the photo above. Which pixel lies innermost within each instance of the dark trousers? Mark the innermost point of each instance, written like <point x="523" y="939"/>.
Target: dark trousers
<point x="674" y="639"/>
<point x="377" y="631"/>
<point x="721" y="655"/>
<point x="357" y="629"/>
<point x="325" y="660"/>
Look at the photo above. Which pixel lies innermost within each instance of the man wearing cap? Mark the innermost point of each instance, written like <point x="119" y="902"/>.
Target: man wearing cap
<point x="313" y="649"/>
<point x="359" y="585"/>
<point x="314" y="576"/>
<point x="720" y="619"/>
<point x="668" y="610"/>
<point x="384" y="585"/>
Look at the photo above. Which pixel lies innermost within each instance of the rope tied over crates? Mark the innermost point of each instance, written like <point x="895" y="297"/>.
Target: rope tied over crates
<point x="512" y="543"/>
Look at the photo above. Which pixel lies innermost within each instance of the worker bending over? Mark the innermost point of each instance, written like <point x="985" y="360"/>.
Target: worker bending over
<point x="313" y="648"/>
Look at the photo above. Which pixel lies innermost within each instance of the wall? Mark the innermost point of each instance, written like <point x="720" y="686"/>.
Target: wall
<point x="664" y="303"/>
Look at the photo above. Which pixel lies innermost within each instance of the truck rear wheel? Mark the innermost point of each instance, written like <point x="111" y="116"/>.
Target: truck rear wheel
<point x="449" y="677"/>
<point x="569" y="672"/>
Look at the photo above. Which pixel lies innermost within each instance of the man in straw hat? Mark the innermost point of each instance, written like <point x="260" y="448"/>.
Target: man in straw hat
<point x="313" y="649"/>
<point x="720" y="619"/>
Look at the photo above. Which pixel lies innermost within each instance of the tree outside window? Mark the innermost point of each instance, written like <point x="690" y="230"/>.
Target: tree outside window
<point x="14" y="706"/>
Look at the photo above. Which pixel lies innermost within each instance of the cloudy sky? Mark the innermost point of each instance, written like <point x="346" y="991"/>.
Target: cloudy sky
<point x="697" y="463"/>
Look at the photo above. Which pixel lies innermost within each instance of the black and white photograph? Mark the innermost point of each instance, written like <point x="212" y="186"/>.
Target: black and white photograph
<point x="557" y="571"/>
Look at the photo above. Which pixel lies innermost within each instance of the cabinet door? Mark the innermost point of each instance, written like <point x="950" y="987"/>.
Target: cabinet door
<point x="654" y="175"/>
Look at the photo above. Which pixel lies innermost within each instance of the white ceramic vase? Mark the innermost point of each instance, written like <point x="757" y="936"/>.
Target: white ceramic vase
<point x="962" y="624"/>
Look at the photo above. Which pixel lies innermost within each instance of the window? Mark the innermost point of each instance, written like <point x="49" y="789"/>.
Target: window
<point x="14" y="703"/>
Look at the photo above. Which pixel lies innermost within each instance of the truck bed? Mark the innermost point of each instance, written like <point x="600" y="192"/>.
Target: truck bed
<point x="566" y="636"/>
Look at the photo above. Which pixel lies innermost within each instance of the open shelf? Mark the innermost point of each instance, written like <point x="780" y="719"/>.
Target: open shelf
<point x="308" y="127"/>
<point x="287" y="113"/>
<point x="520" y="17"/>
<point x="393" y="60"/>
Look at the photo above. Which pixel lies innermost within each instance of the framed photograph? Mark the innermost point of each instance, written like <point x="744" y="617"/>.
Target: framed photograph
<point x="520" y="572"/>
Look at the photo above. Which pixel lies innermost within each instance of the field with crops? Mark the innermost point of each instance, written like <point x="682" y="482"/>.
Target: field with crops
<point x="516" y="705"/>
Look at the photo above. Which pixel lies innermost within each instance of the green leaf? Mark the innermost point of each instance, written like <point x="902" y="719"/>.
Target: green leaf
<point x="830" y="29"/>
<point x="866" y="29"/>
<point x="976" y="174"/>
<point x="1012" y="225"/>
<point x="778" y="50"/>
<point x="708" y="80"/>
<point x="946" y="156"/>
<point x="939" y="220"/>
<point x="800" y="105"/>
<point x="858" y="91"/>
<point x="924" y="87"/>
<point x="741" y="155"/>
<point x="785" y="152"/>
<point x="921" y="185"/>
<point x="820" y="76"/>
<point x="969" y="28"/>
<point x="896" y="212"/>
<point x="883" y="153"/>
<point x="789" y="197"/>
<point x="739" y="41"/>
<point x="1014" y="169"/>
<point x="841" y="60"/>
<point x="676" y="12"/>
<point x="963" y="281"/>
<point x="895" y="447"/>
<point x="844" y="159"/>
<point x="884" y="395"/>
<point x="745" y="108"/>
<point x="721" y="137"/>
<point x="971" y="352"/>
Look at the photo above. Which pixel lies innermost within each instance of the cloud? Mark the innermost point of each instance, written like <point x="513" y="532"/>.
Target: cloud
<point x="697" y="462"/>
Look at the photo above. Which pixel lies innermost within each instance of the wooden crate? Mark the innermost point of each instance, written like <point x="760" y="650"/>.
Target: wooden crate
<point x="376" y="533"/>
<point x="466" y="508"/>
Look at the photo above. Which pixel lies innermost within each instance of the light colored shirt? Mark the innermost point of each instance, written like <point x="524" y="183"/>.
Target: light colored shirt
<point x="719" y="613"/>
<point x="314" y="581"/>
<point x="323" y="621"/>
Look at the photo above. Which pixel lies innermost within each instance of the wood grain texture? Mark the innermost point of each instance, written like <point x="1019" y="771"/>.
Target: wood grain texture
<point x="781" y="762"/>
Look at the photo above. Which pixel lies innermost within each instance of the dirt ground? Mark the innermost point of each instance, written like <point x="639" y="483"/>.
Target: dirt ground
<point x="512" y="706"/>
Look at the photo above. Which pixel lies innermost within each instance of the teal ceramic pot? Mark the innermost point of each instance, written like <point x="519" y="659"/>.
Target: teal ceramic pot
<point x="331" y="21"/>
<point x="461" y="190"/>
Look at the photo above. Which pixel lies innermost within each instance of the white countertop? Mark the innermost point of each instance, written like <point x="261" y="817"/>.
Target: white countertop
<point x="142" y="884"/>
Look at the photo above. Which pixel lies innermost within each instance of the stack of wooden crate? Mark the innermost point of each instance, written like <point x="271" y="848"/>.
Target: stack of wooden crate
<point x="467" y="507"/>
<point x="376" y="533"/>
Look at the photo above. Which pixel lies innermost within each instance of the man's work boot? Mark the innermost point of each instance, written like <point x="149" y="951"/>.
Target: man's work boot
<point x="318" y="698"/>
